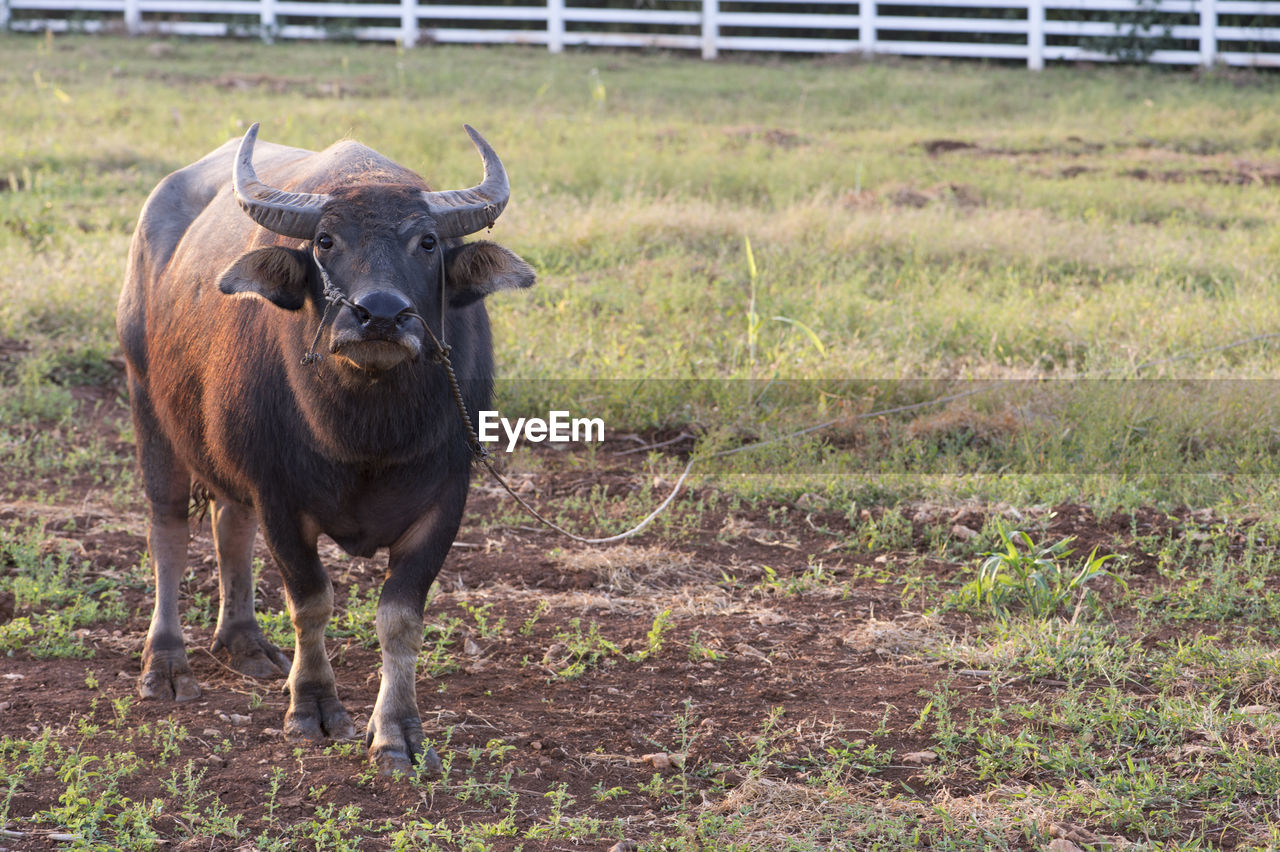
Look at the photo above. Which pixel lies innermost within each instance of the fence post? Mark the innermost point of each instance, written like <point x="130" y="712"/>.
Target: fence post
<point x="409" y="22"/>
<point x="4" y="14"/>
<point x="1208" y="32"/>
<point x="132" y="17"/>
<point x="1035" y="35"/>
<point x="267" y="20"/>
<point x="867" y="26"/>
<point x="710" y="28"/>
<point x="555" y="26"/>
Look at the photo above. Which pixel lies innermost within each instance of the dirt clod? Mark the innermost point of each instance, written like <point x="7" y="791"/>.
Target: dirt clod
<point x="934" y="147"/>
<point x="663" y="761"/>
<point x="907" y="197"/>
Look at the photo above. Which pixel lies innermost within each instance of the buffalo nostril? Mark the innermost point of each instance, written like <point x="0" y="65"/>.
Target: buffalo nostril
<point x="380" y="307"/>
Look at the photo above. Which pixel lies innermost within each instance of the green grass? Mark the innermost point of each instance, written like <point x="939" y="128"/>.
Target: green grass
<point x="52" y="595"/>
<point x="872" y="259"/>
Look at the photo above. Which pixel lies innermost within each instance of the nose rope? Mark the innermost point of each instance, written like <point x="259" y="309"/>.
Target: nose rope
<point x="441" y="357"/>
<point x="332" y="296"/>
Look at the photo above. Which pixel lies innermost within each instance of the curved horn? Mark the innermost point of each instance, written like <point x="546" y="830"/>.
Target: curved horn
<point x="293" y="214"/>
<point x="459" y="212"/>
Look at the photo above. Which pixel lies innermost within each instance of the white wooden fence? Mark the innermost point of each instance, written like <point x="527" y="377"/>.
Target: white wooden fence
<point x="1185" y="32"/>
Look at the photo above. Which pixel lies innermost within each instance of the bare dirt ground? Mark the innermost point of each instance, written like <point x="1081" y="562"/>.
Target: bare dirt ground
<point x="751" y="647"/>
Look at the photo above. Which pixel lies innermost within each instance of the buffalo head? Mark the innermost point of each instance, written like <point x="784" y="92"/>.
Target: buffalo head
<point x="386" y="253"/>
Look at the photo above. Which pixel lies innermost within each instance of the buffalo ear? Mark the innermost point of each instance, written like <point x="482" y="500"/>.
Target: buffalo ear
<point x="477" y="269"/>
<point x="277" y="274"/>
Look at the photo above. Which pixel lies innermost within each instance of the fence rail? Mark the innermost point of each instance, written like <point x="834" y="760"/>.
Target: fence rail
<point x="1183" y="32"/>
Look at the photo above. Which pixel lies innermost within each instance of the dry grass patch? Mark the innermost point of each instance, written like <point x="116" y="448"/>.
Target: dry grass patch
<point x="910" y="639"/>
<point x="634" y="570"/>
<point x="773" y="814"/>
<point x="961" y="421"/>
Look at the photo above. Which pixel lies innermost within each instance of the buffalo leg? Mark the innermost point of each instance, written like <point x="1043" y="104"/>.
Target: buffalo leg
<point x="394" y="736"/>
<point x="165" y="673"/>
<point x="314" y="709"/>
<point x="238" y="633"/>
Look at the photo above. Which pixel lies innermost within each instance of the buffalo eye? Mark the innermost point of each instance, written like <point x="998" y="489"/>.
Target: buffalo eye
<point x="428" y="243"/>
<point x="325" y="242"/>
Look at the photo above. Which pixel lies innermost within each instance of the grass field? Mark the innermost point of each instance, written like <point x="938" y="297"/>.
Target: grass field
<point x="1040" y="615"/>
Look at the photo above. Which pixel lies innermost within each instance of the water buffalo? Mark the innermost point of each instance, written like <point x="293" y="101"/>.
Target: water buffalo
<point x="347" y="252"/>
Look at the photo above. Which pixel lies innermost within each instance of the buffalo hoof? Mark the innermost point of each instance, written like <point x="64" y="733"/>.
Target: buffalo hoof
<point x="315" y="718"/>
<point x="167" y="677"/>
<point x="392" y="762"/>
<point x="249" y="653"/>
<point x="397" y="745"/>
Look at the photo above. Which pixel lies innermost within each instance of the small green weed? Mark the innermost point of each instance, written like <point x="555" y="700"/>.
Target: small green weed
<point x="839" y="764"/>
<point x="357" y="618"/>
<point x="699" y="651"/>
<point x="891" y="531"/>
<point x="655" y="638"/>
<point x="540" y="609"/>
<point x="485" y="627"/>
<point x="576" y="650"/>
<point x="1024" y="574"/>
<point x="436" y="657"/>
<point x="815" y="577"/>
